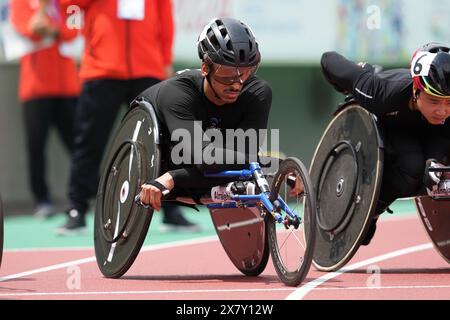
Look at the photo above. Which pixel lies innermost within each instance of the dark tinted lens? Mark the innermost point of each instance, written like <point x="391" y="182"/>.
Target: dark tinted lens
<point x="229" y="75"/>
<point x="227" y="80"/>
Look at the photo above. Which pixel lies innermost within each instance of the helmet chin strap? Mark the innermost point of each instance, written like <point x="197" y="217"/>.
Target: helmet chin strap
<point x="212" y="88"/>
<point x="207" y="60"/>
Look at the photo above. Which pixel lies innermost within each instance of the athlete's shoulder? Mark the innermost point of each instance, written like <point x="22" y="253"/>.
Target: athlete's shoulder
<point x="399" y="75"/>
<point x="397" y="81"/>
<point x="194" y="75"/>
<point x="180" y="87"/>
<point x="257" y="85"/>
<point x="259" y="81"/>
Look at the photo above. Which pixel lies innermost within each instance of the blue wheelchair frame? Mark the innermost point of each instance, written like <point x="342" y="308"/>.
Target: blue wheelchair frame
<point x="252" y="200"/>
<point x="249" y="201"/>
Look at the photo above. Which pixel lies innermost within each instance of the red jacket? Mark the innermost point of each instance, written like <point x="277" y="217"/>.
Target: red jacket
<point x="45" y="73"/>
<point x="125" y="49"/>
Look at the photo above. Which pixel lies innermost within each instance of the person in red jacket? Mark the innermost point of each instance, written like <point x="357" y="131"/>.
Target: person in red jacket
<point x="128" y="48"/>
<point x="48" y="88"/>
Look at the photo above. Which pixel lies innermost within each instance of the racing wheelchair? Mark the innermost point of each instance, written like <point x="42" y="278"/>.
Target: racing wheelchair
<point x="252" y="220"/>
<point x="346" y="171"/>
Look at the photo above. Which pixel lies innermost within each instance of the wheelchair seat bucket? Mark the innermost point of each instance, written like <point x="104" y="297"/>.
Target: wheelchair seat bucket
<point x="346" y="171"/>
<point x="435" y="215"/>
<point x="243" y="236"/>
<point x="121" y="225"/>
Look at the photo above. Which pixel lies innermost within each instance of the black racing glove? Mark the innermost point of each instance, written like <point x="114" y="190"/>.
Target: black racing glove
<point x="431" y="179"/>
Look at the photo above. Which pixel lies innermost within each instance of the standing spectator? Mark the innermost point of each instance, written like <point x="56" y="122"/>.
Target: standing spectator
<point x="48" y="89"/>
<point x="128" y="48"/>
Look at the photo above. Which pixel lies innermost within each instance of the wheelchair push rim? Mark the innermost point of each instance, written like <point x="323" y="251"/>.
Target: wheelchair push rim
<point x="120" y="225"/>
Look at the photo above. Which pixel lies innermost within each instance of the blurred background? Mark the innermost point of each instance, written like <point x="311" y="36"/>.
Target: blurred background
<point x="292" y="35"/>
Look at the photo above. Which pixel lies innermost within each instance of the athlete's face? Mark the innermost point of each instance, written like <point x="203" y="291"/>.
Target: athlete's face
<point x="435" y="110"/>
<point x="227" y="82"/>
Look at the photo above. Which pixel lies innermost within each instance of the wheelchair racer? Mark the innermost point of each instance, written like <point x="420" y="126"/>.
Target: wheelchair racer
<point x="223" y="94"/>
<point x="412" y="107"/>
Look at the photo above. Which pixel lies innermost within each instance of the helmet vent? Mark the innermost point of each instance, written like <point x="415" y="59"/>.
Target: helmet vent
<point x="223" y="31"/>
<point x="242" y="55"/>
<point x="214" y="42"/>
<point x="229" y="59"/>
<point x="229" y="45"/>
<point x="439" y="49"/>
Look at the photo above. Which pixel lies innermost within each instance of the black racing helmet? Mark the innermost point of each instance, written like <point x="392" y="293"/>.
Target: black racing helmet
<point x="437" y="82"/>
<point x="229" y="42"/>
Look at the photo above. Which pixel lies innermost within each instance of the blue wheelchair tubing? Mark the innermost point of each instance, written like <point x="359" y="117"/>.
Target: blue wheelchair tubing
<point x="249" y="200"/>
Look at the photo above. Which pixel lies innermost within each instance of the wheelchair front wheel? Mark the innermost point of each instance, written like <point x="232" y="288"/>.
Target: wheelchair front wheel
<point x="292" y="243"/>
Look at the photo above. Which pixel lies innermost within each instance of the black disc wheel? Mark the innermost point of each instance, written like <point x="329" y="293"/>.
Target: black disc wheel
<point x="121" y="225"/>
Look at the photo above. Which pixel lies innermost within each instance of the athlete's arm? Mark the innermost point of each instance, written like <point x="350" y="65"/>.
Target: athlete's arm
<point x="372" y="92"/>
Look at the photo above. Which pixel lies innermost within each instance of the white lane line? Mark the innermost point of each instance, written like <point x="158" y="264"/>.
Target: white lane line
<point x="92" y="259"/>
<point x="148" y="292"/>
<point x="51" y="249"/>
<point x="46" y="269"/>
<point x="301" y="292"/>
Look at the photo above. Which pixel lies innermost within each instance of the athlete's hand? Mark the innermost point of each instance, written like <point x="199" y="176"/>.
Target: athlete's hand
<point x="298" y="188"/>
<point x="151" y="195"/>
<point x="432" y="179"/>
<point x="431" y="163"/>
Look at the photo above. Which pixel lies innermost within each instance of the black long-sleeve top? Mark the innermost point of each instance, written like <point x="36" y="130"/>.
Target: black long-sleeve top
<point x="180" y="102"/>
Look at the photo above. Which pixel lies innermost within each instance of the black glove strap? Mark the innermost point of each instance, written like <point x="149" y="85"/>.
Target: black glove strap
<point x="160" y="186"/>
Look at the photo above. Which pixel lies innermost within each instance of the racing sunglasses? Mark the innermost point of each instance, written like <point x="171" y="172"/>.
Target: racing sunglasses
<point x="228" y="75"/>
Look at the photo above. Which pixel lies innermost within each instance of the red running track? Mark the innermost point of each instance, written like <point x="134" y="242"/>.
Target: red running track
<point x="400" y="263"/>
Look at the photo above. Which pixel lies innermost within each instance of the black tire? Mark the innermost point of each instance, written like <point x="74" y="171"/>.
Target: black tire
<point x="1" y="231"/>
<point x="293" y="266"/>
<point x="120" y="225"/>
